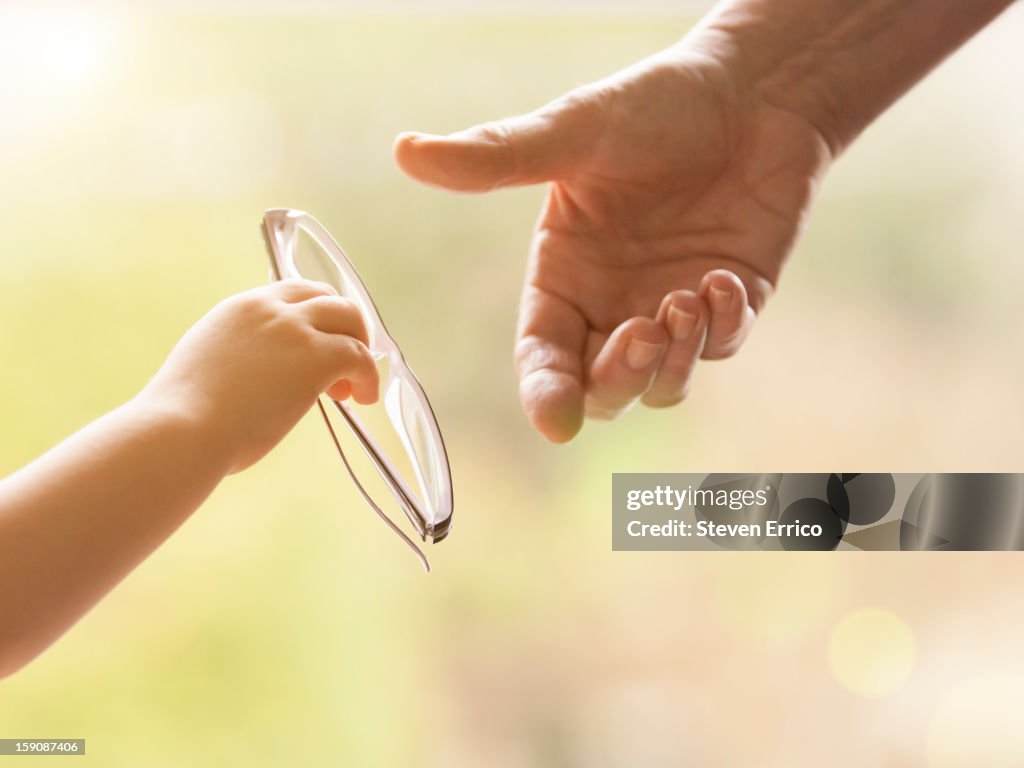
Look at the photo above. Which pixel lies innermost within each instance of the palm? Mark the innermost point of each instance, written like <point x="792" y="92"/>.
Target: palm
<point x="659" y="202"/>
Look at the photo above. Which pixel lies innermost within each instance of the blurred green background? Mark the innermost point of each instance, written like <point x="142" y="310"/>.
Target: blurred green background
<point x="283" y="625"/>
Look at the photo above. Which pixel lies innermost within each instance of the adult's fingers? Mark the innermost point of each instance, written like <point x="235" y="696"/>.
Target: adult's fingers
<point x="548" y="354"/>
<point x="527" y="149"/>
<point x="685" y="317"/>
<point x="337" y="315"/>
<point x="625" y="367"/>
<point x="731" y="314"/>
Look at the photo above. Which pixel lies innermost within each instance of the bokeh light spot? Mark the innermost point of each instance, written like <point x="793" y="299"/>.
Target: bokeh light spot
<point x="871" y="652"/>
<point x="978" y="723"/>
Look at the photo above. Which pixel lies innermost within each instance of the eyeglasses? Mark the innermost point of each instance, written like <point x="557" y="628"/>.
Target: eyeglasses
<point x="299" y="247"/>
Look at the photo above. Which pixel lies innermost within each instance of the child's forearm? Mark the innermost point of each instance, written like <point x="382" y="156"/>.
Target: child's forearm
<point x="80" y="518"/>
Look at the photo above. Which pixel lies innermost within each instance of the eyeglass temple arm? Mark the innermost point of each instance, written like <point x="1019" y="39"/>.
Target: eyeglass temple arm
<point x="387" y="473"/>
<point x="366" y="496"/>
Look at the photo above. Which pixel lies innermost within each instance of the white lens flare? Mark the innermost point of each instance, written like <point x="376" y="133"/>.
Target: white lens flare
<point x="50" y="50"/>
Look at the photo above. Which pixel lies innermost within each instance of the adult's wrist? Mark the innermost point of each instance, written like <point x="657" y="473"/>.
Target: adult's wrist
<point x="770" y="62"/>
<point x="837" y="64"/>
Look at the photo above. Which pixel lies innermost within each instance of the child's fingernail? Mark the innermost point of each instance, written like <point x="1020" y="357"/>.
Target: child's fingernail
<point x="719" y="299"/>
<point x="640" y="354"/>
<point x="681" y="323"/>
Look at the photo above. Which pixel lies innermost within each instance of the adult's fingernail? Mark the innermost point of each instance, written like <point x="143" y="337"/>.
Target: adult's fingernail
<point x="720" y="300"/>
<point x="640" y="354"/>
<point x="681" y="323"/>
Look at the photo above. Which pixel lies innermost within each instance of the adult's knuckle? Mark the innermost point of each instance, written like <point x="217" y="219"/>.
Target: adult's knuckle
<point x="533" y="354"/>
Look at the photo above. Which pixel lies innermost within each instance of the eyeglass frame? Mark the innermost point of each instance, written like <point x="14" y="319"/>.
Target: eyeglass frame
<point x="279" y="222"/>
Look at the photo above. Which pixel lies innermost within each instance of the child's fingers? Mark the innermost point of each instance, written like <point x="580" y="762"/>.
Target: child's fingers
<point x="294" y="290"/>
<point x="340" y="390"/>
<point x="337" y="315"/>
<point x="348" y="359"/>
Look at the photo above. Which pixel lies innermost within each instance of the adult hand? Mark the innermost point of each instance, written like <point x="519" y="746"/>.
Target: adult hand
<point x="680" y="185"/>
<point x="676" y="194"/>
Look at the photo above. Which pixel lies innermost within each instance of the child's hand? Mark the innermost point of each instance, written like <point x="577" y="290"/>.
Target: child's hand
<point x="77" y="520"/>
<point x="252" y="367"/>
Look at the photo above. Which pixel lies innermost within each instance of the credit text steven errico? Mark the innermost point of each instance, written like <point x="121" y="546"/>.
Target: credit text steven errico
<point x="708" y="529"/>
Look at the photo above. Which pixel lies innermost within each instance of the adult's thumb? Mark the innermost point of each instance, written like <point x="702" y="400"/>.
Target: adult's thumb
<point x="528" y="149"/>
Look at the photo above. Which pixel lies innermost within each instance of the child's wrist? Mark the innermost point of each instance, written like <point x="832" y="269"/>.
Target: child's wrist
<point x="194" y="429"/>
